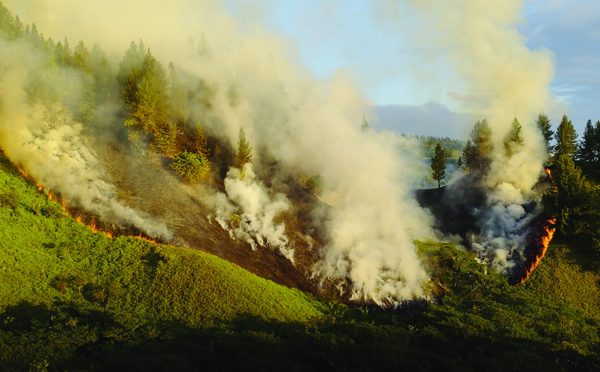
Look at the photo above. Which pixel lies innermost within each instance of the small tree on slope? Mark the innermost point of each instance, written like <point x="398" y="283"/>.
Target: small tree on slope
<point x="244" y="154"/>
<point x="438" y="165"/>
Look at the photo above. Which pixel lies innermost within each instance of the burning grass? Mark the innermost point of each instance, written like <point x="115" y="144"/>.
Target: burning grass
<point x="48" y="256"/>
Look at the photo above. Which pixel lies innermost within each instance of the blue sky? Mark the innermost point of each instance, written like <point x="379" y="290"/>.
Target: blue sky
<point x="389" y="69"/>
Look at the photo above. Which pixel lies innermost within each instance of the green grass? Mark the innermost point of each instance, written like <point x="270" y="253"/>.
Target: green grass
<point x="567" y="276"/>
<point x="72" y="299"/>
<point x="47" y="257"/>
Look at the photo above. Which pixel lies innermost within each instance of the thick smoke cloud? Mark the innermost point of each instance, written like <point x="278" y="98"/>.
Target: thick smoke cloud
<point x="309" y="126"/>
<point x="502" y="79"/>
<point x="50" y="145"/>
<point x="312" y="127"/>
<point x="250" y="201"/>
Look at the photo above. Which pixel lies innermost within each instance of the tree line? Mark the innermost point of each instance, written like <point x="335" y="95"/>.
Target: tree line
<point x="154" y="104"/>
<point x="572" y="199"/>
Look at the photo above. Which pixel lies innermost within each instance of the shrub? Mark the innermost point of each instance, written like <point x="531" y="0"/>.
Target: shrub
<point x="191" y="167"/>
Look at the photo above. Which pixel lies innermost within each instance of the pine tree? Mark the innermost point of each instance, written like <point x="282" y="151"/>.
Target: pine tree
<point x="200" y="143"/>
<point x="190" y="167"/>
<point x="513" y="140"/>
<point x="543" y="124"/>
<point x="566" y="139"/>
<point x="588" y="148"/>
<point x="469" y="156"/>
<point x="244" y="154"/>
<point x="574" y="201"/>
<point x="438" y="165"/>
<point x="459" y="163"/>
<point x="81" y="58"/>
<point x="477" y="151"/>
<point x="365" y="127"/>
<point x="146" y="97"/>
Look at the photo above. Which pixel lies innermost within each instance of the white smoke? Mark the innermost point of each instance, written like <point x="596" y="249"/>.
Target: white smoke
<point x="497" y="77"/>
<point x="313" y="126"/>
<point x="51" y="146"/>
<point x="248" y="209"/>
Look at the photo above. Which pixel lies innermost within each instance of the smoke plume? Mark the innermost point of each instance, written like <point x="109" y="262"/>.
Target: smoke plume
<point x="500" y="78"/>
<point x="251" y="79"/>
<point x="50" y="145"/>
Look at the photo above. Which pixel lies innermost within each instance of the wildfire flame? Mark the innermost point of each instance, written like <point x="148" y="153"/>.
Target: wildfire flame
<point x="544" y="242"/>
<point x="537" y="248"/>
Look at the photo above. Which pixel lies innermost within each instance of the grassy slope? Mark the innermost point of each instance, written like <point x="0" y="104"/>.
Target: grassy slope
<point x="43" y="252"/>
<point x="73" y="299"/>
<point x="566" y="276"/>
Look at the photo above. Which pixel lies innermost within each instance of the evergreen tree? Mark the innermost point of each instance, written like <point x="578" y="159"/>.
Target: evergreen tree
<point x="566" y="139"/>
<point x="469" y="156"/>
<point x="81" y="57"/>
<point x="588" y="148"/>
<point x="477" y="151"/>
<point x="244" y="154"/>
<point x="438" y="165"/>
<point x="459" y="162"/>
<point x="134" y="57"/>
<point x="200" y="143"/>
<point x="146" y="97"/>
<point x="365" y="127"/>
<point x="177" y="95"/>
<point x="105" y="85"/>
<point x="574" y="202"/>
<point x="543" y="124"/>
<point x="190" y="167"/>
<point x="513" y="140"/>
<point x="63" y="53"/>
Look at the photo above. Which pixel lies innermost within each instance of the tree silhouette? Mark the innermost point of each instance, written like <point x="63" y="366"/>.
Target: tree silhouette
<point x="438" y="165"/>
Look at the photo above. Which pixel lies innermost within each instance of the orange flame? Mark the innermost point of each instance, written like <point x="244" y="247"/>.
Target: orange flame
<point x="40" y="187"/>
<point x="63" y="203"/>
<point x="545" y="241"/>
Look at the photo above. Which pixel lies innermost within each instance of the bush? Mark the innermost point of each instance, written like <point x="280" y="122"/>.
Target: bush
<point x="191" y="167"/>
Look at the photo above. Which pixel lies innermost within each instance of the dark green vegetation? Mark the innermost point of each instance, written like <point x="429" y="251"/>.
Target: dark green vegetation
<point x="72" y="299"/>
<point x="575" y="200"/>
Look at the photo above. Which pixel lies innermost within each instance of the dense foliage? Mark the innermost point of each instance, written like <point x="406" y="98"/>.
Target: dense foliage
<point x="190" y="167"/>
<point x="566" y="139"/>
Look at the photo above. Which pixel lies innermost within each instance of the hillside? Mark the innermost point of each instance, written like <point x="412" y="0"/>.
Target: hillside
<point x="73" y="299"/>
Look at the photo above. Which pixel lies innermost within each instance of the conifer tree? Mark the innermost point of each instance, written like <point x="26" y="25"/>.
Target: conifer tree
<point x="574" y="201"/>
<point x="543" y="124"/>
<point x="81" y="57"/>
<point x="145" y="93"/>
<point x="468" y="156"/>
<point x="200" y="143"/>
<point x="477" y="151"/>
<point x="566" y="139"/>
<point x="438" y="165"/>
<point x="588" y="148"/>
<point x="244" y="154"/>
<point x="365" y="127"/>
<point x="513" y="140"/>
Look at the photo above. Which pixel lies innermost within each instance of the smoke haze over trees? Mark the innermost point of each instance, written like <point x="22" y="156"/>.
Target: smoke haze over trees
<point x="92" y="108"/>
